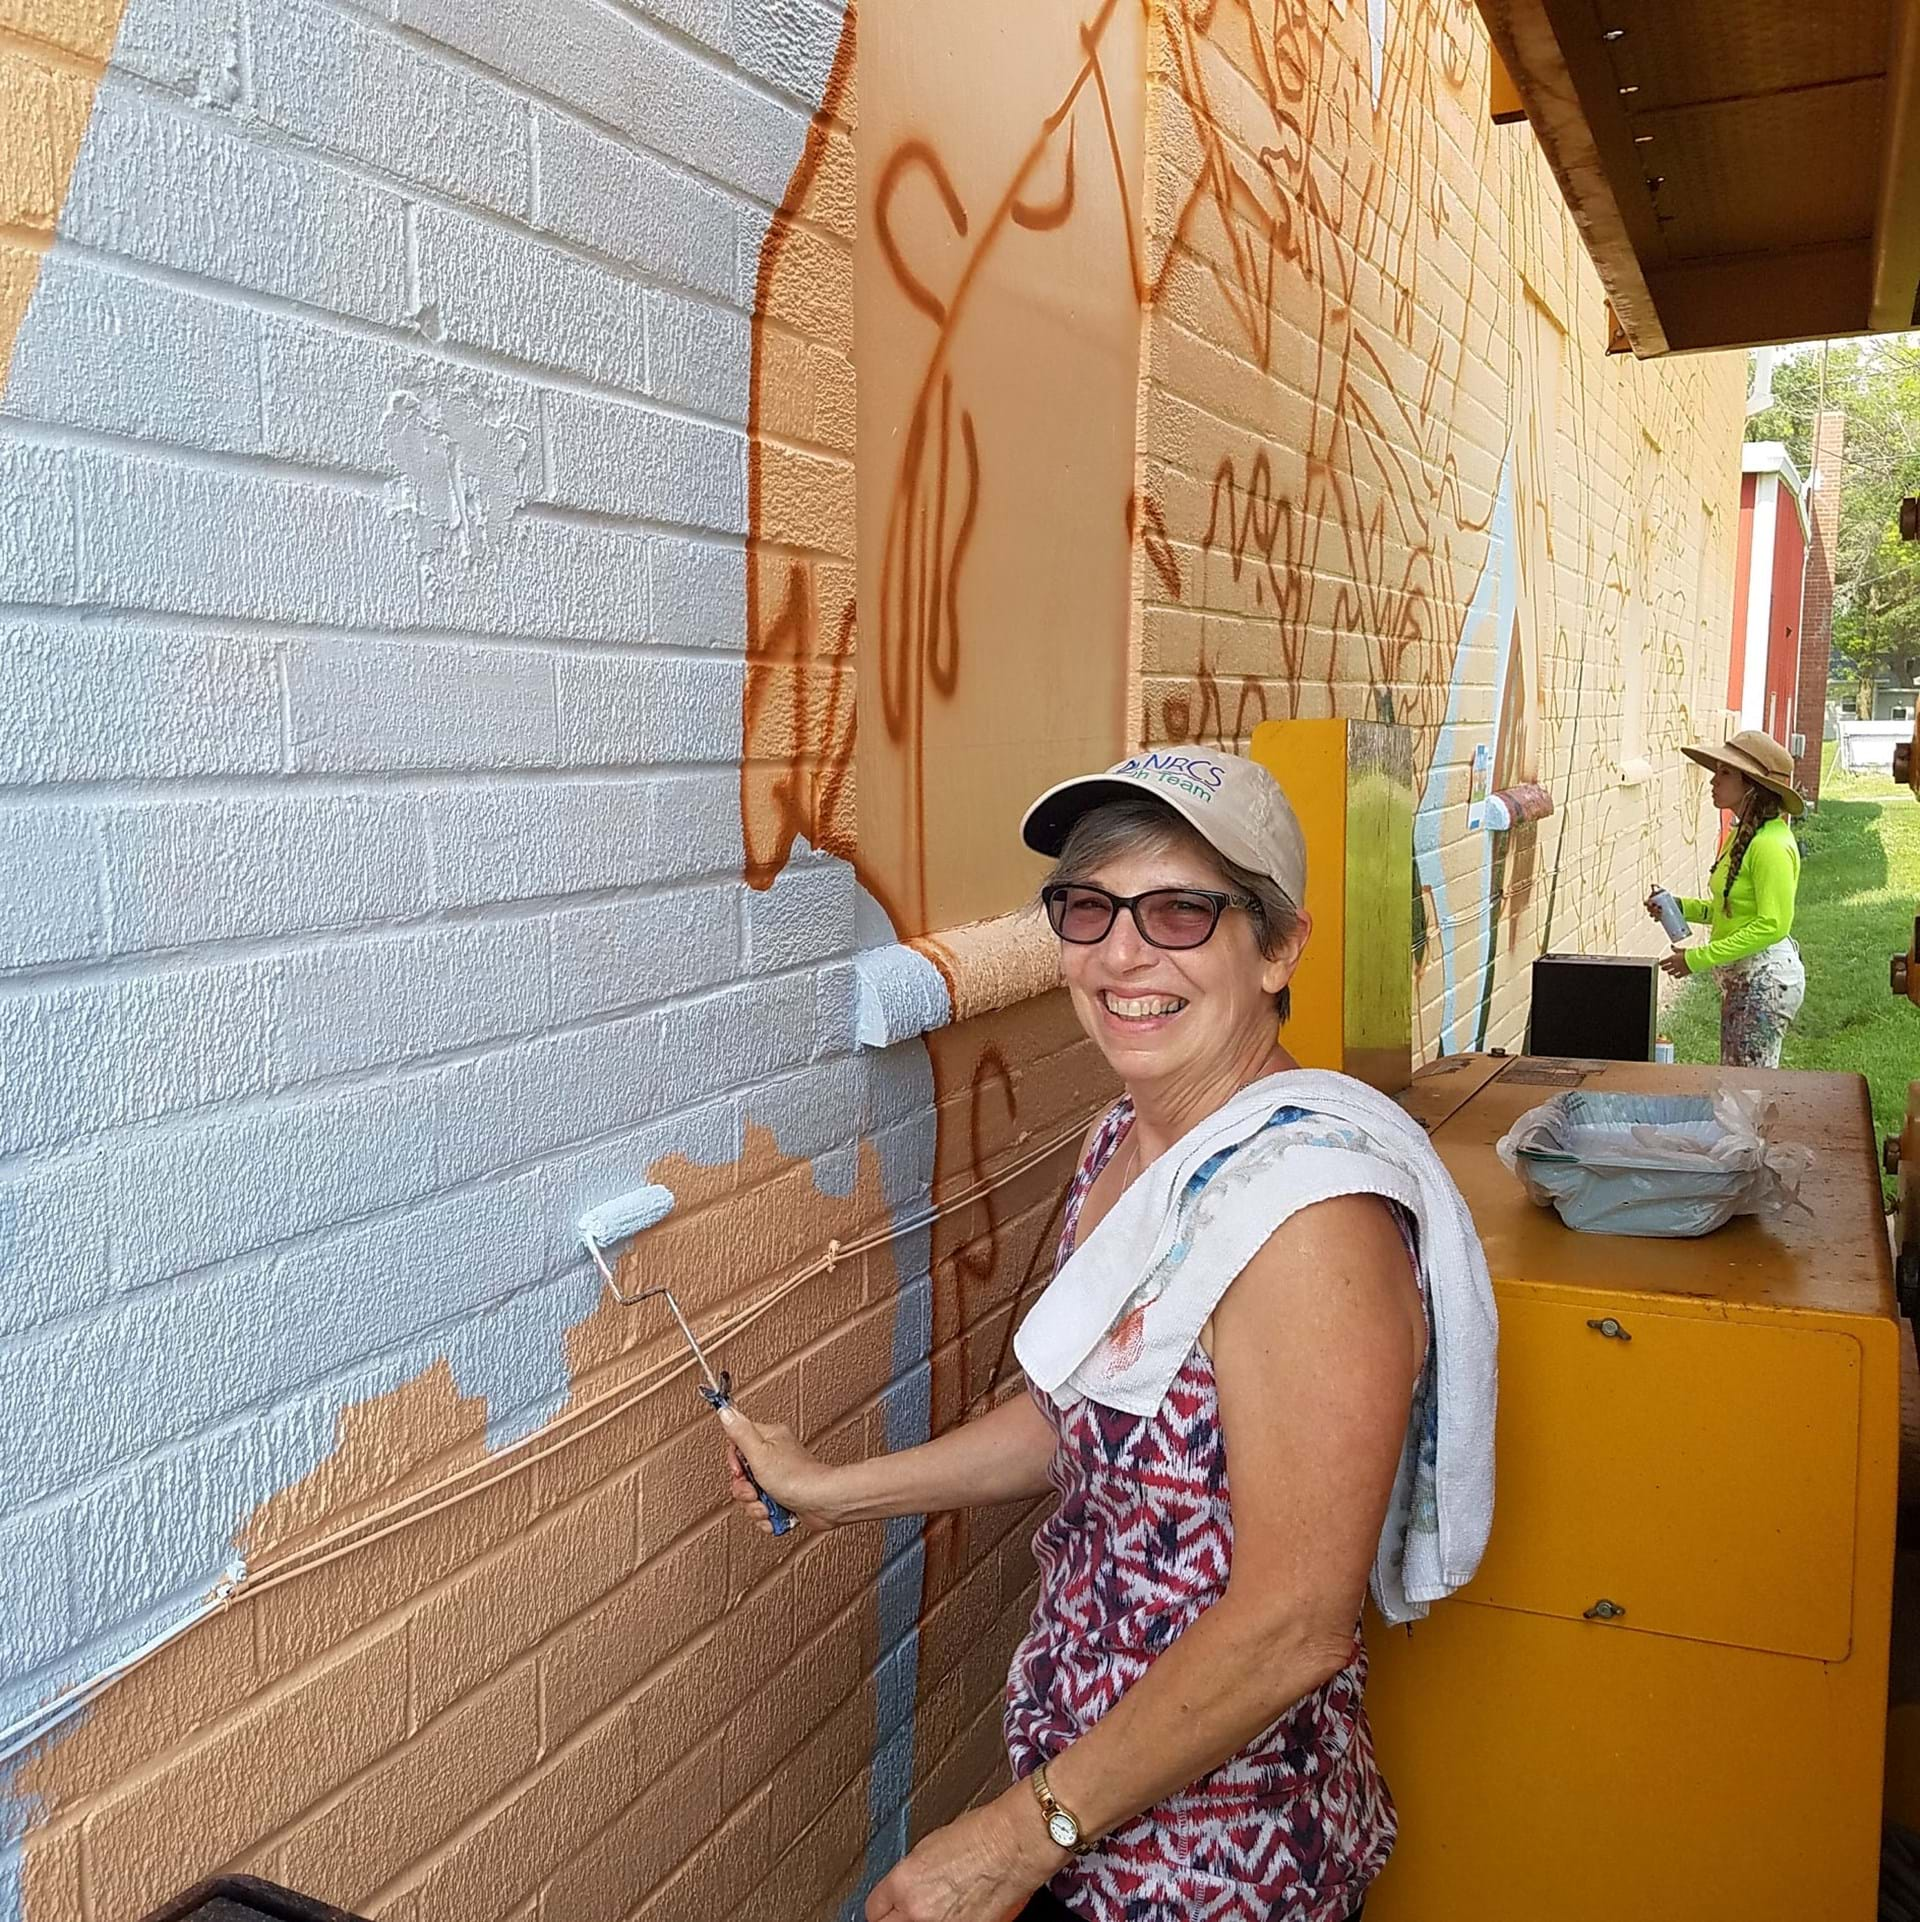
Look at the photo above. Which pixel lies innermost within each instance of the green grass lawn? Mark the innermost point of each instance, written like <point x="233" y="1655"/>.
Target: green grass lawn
<point x="1859" y="891"/>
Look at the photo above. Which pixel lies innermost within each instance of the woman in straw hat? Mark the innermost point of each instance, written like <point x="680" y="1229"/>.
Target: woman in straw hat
<point x="1749" y="904"/>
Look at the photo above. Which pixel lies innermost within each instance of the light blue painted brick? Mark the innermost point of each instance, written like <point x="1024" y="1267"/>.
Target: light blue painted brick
<point x="638" y="461"/>
<point x="80" y="1060"/>
<point x="836" y="1008"/>
<point x="165" y="1527"/>
<point x="532" y="839"/>
<point x="376" y="1290"/>
<point x="545" y="579"/>
<point x="631" y="954"/>
<point x="51" y="904"/>
<point x="633" y="208"/>
<point x="37" y="530"/>
<point x="789" y="44"/>
<point x="707" y="20"/>
<point x="634" y="712"/>
<point x="806" y="916"/>
<point x="159" y="1367"/>
<point x="698" y="357"/>
<point x="326" y="77"/>
<point x="699" y="593"/>
<point x="696" y="824"/>
<point x="163" y="186"/>
<point x="326" y="395"/>
<point x="186" y="1197"/>
<point x="594" y="1081"/>
<point x="167" y="537"/>
<point x="36" y="1622"/>
<point x="102" y="704"/>
<point x="372" y="704"/>
<point x="741" y="1035"/>
<point x="361" y="1002"/>
<point x="186" y="871"/>
<point x="515" y="1355"/>
<point x="189" y="47"/>
<point x="612" y="68"/>
<point x="53" y="1242"/>
<point x="812" y="1112"/>
<point x="88" y="358"/>
<point x="527" y="301"/>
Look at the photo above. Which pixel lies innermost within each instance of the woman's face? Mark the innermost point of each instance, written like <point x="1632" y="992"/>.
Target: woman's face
<point x="1185" y="1013"/>
<point x="1730" y="790"/>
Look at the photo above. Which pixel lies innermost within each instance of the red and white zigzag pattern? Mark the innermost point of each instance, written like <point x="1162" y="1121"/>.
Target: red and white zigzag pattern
<point x="1292" y="1828"/>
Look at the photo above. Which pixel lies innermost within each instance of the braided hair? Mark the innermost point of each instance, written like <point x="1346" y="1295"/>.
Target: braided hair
<point x="1761" y="806"/>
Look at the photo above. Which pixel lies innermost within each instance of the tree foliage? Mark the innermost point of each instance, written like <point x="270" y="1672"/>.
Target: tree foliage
<point x="1876" y="575"/>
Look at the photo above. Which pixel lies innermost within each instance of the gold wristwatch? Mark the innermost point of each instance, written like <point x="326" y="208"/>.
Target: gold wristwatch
<point x="1062" y="1824"/>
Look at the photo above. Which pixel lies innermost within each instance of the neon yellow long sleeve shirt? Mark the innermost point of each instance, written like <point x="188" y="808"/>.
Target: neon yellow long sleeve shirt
<point x="1761" y="911"/>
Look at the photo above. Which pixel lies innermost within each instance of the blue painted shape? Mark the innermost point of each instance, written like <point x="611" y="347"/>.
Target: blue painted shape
<point x="1486" y="644"/>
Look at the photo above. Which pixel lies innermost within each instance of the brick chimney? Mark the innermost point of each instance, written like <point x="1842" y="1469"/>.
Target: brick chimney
<point x="1816" y="605"/>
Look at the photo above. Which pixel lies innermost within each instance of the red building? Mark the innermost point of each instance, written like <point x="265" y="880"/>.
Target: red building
<point x="1763" y="669"/>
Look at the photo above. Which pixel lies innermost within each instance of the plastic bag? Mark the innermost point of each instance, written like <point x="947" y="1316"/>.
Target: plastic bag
<point x="1665" y="1165"/>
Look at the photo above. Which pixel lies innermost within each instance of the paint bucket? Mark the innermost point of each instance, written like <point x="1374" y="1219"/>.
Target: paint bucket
<point x="1663" y="1050"/>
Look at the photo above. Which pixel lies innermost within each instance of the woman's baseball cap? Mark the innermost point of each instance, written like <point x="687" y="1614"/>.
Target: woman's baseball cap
<point x="1760" y="758"/>
<point x="1233" y="804"/>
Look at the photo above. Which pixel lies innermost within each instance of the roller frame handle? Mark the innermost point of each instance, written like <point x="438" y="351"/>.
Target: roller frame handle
<point x="781" y="1518"/>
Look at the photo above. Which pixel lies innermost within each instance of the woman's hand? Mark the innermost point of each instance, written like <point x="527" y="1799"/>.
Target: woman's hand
<point x="1652" y="906"/>
<point x="980" y="1868"/>
<point x="1675" y="964"/>
<point x="792" y="1474"/>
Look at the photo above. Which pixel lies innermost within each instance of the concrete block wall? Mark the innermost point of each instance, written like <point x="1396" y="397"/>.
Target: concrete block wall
<point x="1389" y="470"/>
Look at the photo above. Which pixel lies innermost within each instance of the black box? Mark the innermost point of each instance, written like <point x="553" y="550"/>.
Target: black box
<point x="1605" y="1007"/>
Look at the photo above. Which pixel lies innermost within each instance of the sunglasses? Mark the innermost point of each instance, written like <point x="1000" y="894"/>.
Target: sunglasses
<point x="1165" y="917"/>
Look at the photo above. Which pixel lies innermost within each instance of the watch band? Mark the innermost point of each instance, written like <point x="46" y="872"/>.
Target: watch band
<point x="1051" y="1807"/>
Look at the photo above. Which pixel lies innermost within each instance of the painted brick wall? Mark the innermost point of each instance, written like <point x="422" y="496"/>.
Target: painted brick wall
<point x="426" y="598"/>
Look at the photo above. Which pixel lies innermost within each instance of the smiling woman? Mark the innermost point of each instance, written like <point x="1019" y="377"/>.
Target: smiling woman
<point x="1253" y="1266"/>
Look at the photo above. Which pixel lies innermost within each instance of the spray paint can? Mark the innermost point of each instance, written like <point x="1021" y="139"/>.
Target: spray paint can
<point x="1663" y="1050"/>
<point x="1671" y="918"/>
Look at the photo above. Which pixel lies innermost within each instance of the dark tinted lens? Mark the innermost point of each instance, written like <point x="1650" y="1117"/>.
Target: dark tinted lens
<point x="1175" y="920"/>
<point x="1079" y="914"/>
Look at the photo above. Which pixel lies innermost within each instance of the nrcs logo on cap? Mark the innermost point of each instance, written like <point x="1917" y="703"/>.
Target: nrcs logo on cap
<point x="1191" y="772"/>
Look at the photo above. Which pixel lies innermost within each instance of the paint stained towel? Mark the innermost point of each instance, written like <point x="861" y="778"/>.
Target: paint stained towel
<point x="1158" y="1263"/>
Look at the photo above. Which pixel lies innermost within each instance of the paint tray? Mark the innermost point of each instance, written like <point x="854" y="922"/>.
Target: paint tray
<point x="1666" y="1166"/>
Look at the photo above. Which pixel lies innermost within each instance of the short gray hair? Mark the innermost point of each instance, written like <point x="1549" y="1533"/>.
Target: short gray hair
<point x="1138" y="823"/>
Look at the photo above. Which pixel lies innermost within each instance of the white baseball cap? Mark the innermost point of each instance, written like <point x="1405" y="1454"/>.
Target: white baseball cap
<point x="1232" y="803"/>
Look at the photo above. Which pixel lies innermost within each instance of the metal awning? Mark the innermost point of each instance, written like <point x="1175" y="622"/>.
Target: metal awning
<point x="1743" y="171"/>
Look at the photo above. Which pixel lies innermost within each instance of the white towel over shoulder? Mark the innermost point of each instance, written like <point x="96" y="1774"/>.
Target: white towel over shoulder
<point x="1161" y="1270"/>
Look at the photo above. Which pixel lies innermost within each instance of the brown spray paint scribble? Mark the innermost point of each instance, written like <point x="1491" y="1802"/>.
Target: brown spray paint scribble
<point x="798" y="715"/>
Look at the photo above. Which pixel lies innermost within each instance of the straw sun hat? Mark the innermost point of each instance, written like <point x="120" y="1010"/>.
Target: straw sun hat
<point x="1760" y="758"/>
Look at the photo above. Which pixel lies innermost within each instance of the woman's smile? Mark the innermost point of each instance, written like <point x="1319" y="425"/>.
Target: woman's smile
<point x="1140" y="1013"/>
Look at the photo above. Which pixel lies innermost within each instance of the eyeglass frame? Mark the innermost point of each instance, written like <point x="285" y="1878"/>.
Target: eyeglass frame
<point x="1220" y="902"/>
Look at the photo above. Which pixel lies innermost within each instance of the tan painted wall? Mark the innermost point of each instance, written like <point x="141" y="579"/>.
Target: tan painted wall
<point x="1369" y="450"/>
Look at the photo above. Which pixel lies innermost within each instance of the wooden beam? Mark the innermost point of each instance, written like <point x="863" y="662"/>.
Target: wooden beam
<point x="1896" y="226"/>
<point x="1560" y="77"/>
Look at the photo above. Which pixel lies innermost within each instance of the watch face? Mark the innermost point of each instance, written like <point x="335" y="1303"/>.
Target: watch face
<point x="1063" y="1828"/>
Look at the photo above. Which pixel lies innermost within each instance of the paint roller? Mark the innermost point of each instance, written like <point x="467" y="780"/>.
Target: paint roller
<point x="626" y="1215"/>
<point x="1507" y="807"/>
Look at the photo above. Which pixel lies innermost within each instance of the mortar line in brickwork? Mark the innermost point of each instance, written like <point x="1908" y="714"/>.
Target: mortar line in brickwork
<point x="93" y="616"/>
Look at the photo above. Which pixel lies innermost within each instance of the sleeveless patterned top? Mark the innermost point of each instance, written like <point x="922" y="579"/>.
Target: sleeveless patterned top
<point x="1294" y="1827"/>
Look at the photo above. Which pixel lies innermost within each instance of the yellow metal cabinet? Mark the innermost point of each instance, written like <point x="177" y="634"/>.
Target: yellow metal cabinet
<point x="1663" y="1698"/>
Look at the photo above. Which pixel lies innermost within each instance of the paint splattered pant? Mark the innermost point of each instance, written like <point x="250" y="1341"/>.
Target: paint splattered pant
<point x="1759" y="997"/>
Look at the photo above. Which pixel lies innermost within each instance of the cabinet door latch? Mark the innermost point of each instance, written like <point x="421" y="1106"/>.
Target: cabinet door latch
<point x="1609" y="1329"/>
<point x="1604" y="1611"/>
